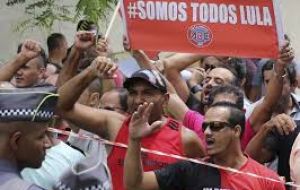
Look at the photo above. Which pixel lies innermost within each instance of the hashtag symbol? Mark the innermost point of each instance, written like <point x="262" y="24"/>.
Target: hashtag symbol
<point x="131" y="10"/>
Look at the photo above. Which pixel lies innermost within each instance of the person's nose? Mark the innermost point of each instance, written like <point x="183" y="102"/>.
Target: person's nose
<point x="210" y="83"/>
<point x="19" y="72"/>
<point x="207" y="131"/>
<point x="139" y="99"/>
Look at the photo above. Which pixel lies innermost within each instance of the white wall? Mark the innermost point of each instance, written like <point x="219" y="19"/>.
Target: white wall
<point x="9" y="40"/>
<point x="291" y="21"/>
<point x="9" y="17"/>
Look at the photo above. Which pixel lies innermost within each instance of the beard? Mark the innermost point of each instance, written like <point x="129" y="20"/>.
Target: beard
<point x="282" y="104"/>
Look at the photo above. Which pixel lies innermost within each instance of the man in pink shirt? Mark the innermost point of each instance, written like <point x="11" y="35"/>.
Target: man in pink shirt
<point x="227" y="76"/>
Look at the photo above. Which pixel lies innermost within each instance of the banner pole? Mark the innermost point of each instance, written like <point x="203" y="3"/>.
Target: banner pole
<point x="112" y="20"/>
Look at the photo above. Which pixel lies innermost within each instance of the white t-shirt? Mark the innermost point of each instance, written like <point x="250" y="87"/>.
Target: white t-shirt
<point x="58" y="159"/>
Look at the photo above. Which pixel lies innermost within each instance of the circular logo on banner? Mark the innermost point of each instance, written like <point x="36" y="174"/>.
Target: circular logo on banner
<point x="199" y="35"/>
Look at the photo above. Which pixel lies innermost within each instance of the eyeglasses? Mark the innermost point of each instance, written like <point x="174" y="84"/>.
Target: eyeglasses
<point x="215" y="126"/>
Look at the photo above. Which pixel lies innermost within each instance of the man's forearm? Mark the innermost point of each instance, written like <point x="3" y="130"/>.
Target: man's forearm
<point x="9" y="69"/>
<point x="142" y="59"/>
<point x="70" y="67"/>
<point x="256" y="146"/>
<point x="71" y="90"/>
<point x="263" y="112"/>
<point x="180" y="61"/>
<point x="275" y="87"/>
<point x="133" y="171"/>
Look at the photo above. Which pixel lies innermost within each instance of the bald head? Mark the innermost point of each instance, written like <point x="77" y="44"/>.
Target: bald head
<point x="23" y="143"/>
<point x="25" y="128"/>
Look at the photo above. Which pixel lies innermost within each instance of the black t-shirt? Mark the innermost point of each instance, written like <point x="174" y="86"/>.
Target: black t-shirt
<point x="281" y="146"/>
<point x="188" y="176"/>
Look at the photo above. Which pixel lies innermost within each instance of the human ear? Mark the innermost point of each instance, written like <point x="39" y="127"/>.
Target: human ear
<point x="238" y="131"/>
<point x="14" y="140"/>
<point x="94" y="99"/>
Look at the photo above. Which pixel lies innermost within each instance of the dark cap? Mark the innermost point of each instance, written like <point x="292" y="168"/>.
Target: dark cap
<point x="153" y="77"/>
<point x="28" y="104"/>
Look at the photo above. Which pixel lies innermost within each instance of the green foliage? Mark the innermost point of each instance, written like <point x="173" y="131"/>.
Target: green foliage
<point x="93" y="10"/>
<point x="13" y="2"/>
<point x="43" y="13"/>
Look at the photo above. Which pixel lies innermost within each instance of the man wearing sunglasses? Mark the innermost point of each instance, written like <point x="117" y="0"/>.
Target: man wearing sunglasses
<point x="223" y="126"/>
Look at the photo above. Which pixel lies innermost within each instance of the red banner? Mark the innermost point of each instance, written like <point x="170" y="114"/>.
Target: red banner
<point x="212" y="27"/>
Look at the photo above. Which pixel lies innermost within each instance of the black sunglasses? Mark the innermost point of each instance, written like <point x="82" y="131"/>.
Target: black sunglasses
<point x="215" y="125"/>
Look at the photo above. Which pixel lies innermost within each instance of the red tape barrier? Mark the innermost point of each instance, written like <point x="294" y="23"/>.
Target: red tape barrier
<point x="107" y="142"/>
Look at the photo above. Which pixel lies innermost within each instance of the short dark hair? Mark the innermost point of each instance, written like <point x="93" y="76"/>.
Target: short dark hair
<point x="235" y="80"/>
<point x="228" y="89"/>
<point x="239" y="66"/>
<point x="85" y="25"/>
<point x="123" y="95"/>
<point x="42" y="54"/>
<point x="290" y="69"/>
<point x="54" y="41"/>
<point x="236" y="115"/>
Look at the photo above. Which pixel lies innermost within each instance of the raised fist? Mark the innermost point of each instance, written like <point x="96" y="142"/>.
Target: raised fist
<point x="283" y="123"/>
<point x="30" y="49"/>
<point x="84" y="40"/>
<point x="286" y="54"/>
<point x="102" y="47"/>
<point x="103" y="67"/>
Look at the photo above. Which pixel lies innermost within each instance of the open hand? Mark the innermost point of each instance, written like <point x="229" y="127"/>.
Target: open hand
<point x="139" y="126"/>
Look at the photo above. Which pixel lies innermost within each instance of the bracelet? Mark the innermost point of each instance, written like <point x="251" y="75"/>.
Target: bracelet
<point x="196" y="88"/>
<point x="276" y="74"/>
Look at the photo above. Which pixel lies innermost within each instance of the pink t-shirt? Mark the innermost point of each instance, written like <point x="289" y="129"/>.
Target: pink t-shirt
<point x="193" y="120"/>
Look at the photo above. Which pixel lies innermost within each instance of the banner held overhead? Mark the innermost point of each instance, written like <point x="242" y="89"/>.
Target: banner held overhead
<point x="212" y="27"/>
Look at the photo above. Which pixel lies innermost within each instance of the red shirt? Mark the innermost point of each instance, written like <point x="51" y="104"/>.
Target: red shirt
<point x="167" y="140"/>
<point x="231" y="180"/>
<point x="193" y="176"/>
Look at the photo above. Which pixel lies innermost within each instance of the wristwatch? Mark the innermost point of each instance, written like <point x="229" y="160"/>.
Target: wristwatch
<point x="196" y="88"/>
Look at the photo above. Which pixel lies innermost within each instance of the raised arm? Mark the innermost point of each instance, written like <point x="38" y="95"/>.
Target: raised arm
<point x="83" y="41"/>
<point x="91" y="119"/>
<point x="263" y="112"/>
<point x="193" y="146"/>
<point x="173" y="66"/>
<point x="259" y="148"/>
<point x="134" y="176"/>
<point x="176" y="107"/>
<point x="30" y="49"/>
<point x="141" y="58"/>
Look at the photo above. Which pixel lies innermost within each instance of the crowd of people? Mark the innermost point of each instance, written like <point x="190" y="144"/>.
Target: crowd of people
<point x="65" y="117"/>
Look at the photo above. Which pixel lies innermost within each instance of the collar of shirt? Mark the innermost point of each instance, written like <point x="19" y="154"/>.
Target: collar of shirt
<point x="7" y="166"/>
